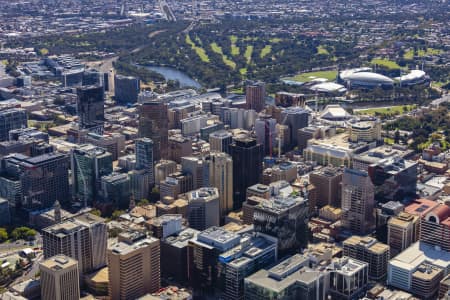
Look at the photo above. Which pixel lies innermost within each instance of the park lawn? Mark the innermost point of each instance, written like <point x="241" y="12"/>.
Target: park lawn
<point x="234" y="49"/>
<point x="248" y="53"/>
<point x="392" y="110"/>
<point x="239" y="90"/>
<point x="307" y="77"/>
<point x="430" y="51"/>
<point x="385" y="63"/>
<point x="217" y="49"/>
<point x="439" y="84"/>
<point x="322" y="50"/>
<point x="233" y="38"/>
<point x="389" y="141"/>
<point x="199" y="50"/>
<point x="265" y="51"/>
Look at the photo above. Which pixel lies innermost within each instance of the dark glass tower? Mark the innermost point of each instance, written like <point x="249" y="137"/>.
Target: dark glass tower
<point x="154" y="124"/>
<point x="247" y="157"/>
<point x="90" y="106"/>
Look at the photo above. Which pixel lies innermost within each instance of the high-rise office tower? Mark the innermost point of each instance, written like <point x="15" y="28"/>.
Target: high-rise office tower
<point x="12" y="118"/>
<point x="116" y="191"/>
<point x="154" y="124"/>
<point x="198" y="168"/>
<point x="328" y="184"/>
<point x="175" y="184"/>
<point x="43" y="179"/>
<point x="174" y="262"/>
<point x="89" y="163"/>
<point x="284" y="218"/>
<point x="220" y="141"/>
<point x="289" y="99"/>
<point x="203" y="256"/>
<point x="94" y="77"/>
<point x="83" y="238"/>
<point x="255" y="95"/>
<point x="203" y="208"/>
<point x="296" y="118"/>
<point x="371" y="251"/>
<point x="163" y="168"/>
<point x="221" y="177"/>
<point x="357" y="202"/>
<point x="241" y="261"/>
<point x="178" y="147"/>
<point x="126" y="89"/>
<point x="134" y="266"/>
<point x="266" y="132"/>
<point x="90" y="106"/>
<point x="247" y="157"/>
<point x="144" y="156"/>
<point x="140" y="182"/>
<point x="403" y="230"/>
<point x="59" y="278"/>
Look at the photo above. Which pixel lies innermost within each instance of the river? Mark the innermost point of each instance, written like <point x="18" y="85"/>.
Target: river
<point x="174" y="74"/>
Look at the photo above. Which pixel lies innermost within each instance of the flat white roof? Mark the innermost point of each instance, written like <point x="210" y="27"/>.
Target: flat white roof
<point x="418" y="253"/>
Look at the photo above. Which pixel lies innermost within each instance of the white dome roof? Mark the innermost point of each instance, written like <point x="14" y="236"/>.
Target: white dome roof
<point x="328" y="87"/>
<point x="370" y="77"/>
<point x="413" y="75"/>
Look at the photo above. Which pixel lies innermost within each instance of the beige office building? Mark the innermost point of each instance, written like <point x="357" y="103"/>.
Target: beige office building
<point x="134" y="266"/>
<point x="221" y="177"/>
<point x="60" y="278"/>
<point x="371" y="251"/>
<point x="403" y="230"/>
<point x="83" y="237"/>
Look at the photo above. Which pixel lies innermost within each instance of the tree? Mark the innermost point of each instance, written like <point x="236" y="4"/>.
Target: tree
<point x="143" y="202"/>
<point x="397" y="136"/>
<point x="116" y="214"/>
<point x="3" y="235"/>
<point x="114" y="232"/>
<point x="96" y="212"/>
<point x="23" y="233"/>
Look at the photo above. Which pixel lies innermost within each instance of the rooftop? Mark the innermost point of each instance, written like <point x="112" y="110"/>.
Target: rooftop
<point x="368" y="243"/>
<point x="419" y="252"/>
<point x="123" y="248"/>
<point x="249" y="248"/>
<point x="426" y="272"/>
<point x="284" y="274"/>
<point x="100" y="276"/>
<point x="403" y="220"/>
<point x="217" y="237"/>
<point x="204" y="193"/>
<point x="421" y="207"/>
<point x="281" y="204"/>
<point x="181" y="239"/>
<point x="59" y="262"/>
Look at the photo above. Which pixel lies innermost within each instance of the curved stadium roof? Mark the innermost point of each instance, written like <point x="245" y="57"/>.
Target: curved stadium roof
<point x="369" y="78"/>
